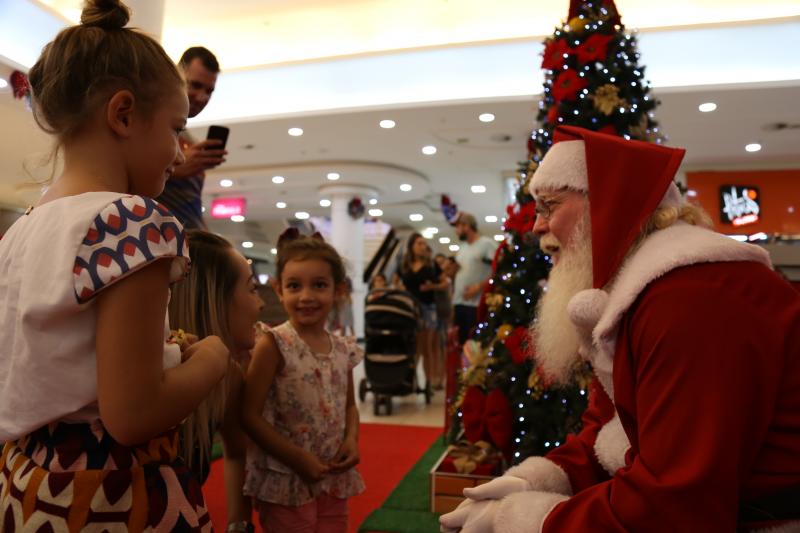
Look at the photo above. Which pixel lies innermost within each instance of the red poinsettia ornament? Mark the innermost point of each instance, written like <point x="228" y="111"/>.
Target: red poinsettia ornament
<point x="516" y="344"/>
<point x="20" y="85"/>
<point x="595" y="48"/>
<point x="553" y="56"/>
<point x="568" y="85"/>
<point x="520" y="218"/>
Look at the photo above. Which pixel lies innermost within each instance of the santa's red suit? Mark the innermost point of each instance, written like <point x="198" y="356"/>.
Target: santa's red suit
<point x="694" y="418"/>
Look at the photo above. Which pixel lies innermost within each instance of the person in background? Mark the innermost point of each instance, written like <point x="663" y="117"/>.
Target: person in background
<point x="377" y="286"/>
<point x="693" y="421"/>
<point x="184" y="189"/>
<point x="443" y="298"/>
<point x="474" y="258"/>
<point x="91" y="391"/>
<point x="299" y="402"/>
<point x="219" y="297"/>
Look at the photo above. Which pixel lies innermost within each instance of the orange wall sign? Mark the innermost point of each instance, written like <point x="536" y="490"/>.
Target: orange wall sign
<point x="749" y="201"/>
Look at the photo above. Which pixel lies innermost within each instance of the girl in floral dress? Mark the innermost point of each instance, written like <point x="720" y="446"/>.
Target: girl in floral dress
<point x="299" y="405"/>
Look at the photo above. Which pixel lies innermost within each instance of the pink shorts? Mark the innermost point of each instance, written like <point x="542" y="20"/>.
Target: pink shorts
<point x="326" y="514"/>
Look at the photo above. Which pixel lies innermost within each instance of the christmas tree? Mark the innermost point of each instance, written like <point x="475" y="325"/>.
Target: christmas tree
<point x="592" y="80"/>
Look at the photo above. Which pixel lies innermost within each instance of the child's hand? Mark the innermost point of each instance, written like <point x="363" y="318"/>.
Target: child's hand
<point x="346" y="458"/>
<point x="310" y="468"/>
<point x="211" y="348"/>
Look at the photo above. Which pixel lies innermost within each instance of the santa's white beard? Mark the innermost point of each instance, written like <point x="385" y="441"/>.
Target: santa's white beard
<point x="555" y="337"/>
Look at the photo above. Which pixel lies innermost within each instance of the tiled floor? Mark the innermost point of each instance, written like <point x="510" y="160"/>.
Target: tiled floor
<point x="406" y="410"/>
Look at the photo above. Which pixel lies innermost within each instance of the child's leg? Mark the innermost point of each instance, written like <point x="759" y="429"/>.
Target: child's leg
<point x="275" y="518"/>
<point x="331" y="514"/>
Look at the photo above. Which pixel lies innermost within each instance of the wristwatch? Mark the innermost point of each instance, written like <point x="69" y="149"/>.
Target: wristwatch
<point x="240" y="527"/>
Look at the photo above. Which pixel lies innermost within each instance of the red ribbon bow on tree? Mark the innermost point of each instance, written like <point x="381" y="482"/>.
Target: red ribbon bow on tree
<point x="487" y="417"/>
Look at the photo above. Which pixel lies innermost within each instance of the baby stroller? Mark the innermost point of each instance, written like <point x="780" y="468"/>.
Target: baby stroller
<point x="390" y="363"/>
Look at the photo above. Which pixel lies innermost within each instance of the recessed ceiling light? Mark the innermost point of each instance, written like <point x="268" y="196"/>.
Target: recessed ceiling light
<point x="405" y="187"/>
<point x="226" y="183"/>
<point x="431" y="230"/>
<point x="237" y="218"/>
<point x="373" y="201"/>
<point x="263" y="279"/>
<point x="278" y="179"/>
<point x="376" y="212"/>
<point x="203" y="209"/>
<point x="429" y="150"/>
<point x="280" y="205"/>
<point x="3" y="83"/>
<point x="499" y="237"/>
<point x="490" y="218"/>
<point x="387" y="124"/>
<point x="444" y="240"/>
<point x="707" y="107"/>
<point x="295" y="132"/>
<point x="415" y="217"/>
<point x="273" y="251"/>
<point x="247" y="244"/>
<point x="478" y="189"/>
<point x="691" y="193"/>
<point x="454" y="247"/>
<point x="301" y="215"/>
<point x="486" y="117"/>
<point x="753" y="147"/>
<point x="324" y="203"/>
<point x="333" y="176"/>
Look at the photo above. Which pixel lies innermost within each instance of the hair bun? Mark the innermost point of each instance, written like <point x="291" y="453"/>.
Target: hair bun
<point x="106" y="14"/>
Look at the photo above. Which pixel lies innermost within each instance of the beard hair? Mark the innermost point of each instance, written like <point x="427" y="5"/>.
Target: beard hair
<point x="556" y="338"/>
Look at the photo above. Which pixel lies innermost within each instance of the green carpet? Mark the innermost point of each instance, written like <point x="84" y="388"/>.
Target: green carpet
<point x="406" y="510"/>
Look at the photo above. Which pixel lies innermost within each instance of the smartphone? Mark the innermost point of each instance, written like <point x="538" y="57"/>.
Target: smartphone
<point x="219" y="133"/>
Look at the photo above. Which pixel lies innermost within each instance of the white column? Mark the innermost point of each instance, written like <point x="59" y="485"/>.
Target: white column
<point x="148" y="16"/>
<point x="347" y="236"/>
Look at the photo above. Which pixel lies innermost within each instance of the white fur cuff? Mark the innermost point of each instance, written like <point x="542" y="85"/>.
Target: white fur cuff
<point x="525" y="512"/>
<point x="611" y="445"/>
<point x="542" y="474"/>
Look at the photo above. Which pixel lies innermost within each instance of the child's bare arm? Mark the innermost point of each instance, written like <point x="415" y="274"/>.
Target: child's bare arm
<point x="137" y="398"/>
<point x="266" y="362"/>
<point x="348" y="456"/>
<point x="234" y="441"/>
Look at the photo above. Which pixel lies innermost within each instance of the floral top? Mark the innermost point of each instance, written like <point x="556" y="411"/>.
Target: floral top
<point x="307" y="405"/>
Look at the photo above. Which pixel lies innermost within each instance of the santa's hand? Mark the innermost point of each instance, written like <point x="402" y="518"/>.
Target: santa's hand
<point x="497" y="488"/>
<point x="470" y="517"/>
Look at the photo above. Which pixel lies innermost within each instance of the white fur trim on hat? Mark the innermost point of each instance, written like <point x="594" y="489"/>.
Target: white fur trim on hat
<point x="525" y="512"/>
<point x="672" y="198"/>
<point x="789" y="527"/>
<point x="563" y="166"/>
<point x="542" y="474"/>
<point x="611" y="445"/>
<point x="586" y="308"/>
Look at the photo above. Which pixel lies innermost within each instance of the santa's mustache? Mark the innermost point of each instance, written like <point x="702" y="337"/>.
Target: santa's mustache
<point x="549" y="244"/>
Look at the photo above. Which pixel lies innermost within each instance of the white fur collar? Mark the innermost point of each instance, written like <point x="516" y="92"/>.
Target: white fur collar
<point x="665" y="250"/>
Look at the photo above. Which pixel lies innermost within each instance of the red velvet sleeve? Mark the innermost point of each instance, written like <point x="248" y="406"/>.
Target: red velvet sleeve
<point x="576" y="456"/>
<point x="699" y="366"/>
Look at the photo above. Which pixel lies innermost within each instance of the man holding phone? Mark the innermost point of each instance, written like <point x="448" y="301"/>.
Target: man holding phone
<point x="183" y="191"/>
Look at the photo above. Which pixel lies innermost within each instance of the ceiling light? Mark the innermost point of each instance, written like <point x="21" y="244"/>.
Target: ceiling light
<point x="429" y="150"/>
<point x="203" y="209"/>
<point x="301" y="215"/>
<point x="278" y="179"/>
<point x="387" y="124"/>
<point x="237" y="218"/>
<point x="263" y="279"/>
<point x="273" y="251"/>
<point x="478" y="189"/>
<point x="247" y="244"/>
<point x="486" y="117"/>
<point x="708" y="107"/>
<point x="333" y="176"/>
<point x="444" y="240"/>
<point x="490" y="218"/>
<point x="3" y="83"/>
<point x="753" y="147"/>
<point x="691" y="193"/>
<point x="454" y="247"/>
<point x="405" y="187"/>
<point x="373" y="201"/>
<point x="226" y="183"/>
<point x="324" y="203"/>
<point x="432" y="230"/>
<point x="426" y="234"/>
<point x="280" y="205"/>
<point x="415" y="217"/>
<point x="295" y="132"/>
<point x="499" y="237"/>
<point x="376" y="212"/>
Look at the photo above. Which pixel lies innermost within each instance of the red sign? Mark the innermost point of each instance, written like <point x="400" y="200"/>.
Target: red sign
<point x="228" y="207"/>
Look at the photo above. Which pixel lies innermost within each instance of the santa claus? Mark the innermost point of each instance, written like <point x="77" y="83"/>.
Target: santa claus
<point x="694" y="416"/>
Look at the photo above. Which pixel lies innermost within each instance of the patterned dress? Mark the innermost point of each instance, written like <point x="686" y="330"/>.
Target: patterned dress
<point x="307" y="405"/>
<point x="60" y="470"/>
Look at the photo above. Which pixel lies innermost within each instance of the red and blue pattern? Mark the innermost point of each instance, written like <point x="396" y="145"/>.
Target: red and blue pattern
<point x="126" y="235"/>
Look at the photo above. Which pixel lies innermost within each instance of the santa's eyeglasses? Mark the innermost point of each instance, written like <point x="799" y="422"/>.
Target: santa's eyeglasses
<point x="546" y="206"/>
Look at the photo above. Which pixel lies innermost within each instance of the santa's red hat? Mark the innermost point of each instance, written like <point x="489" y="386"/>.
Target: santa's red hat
<point x="625" y="180"/>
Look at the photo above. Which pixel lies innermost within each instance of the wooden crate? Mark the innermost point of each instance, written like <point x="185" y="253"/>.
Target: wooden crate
<point x="447" y="487"/>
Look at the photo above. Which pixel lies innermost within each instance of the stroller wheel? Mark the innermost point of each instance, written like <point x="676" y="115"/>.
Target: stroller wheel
<point x="428" y="394"/>
<point x="376" y="406"/>
<point x="363" y="388"/>
<point x="388" y="401"/>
